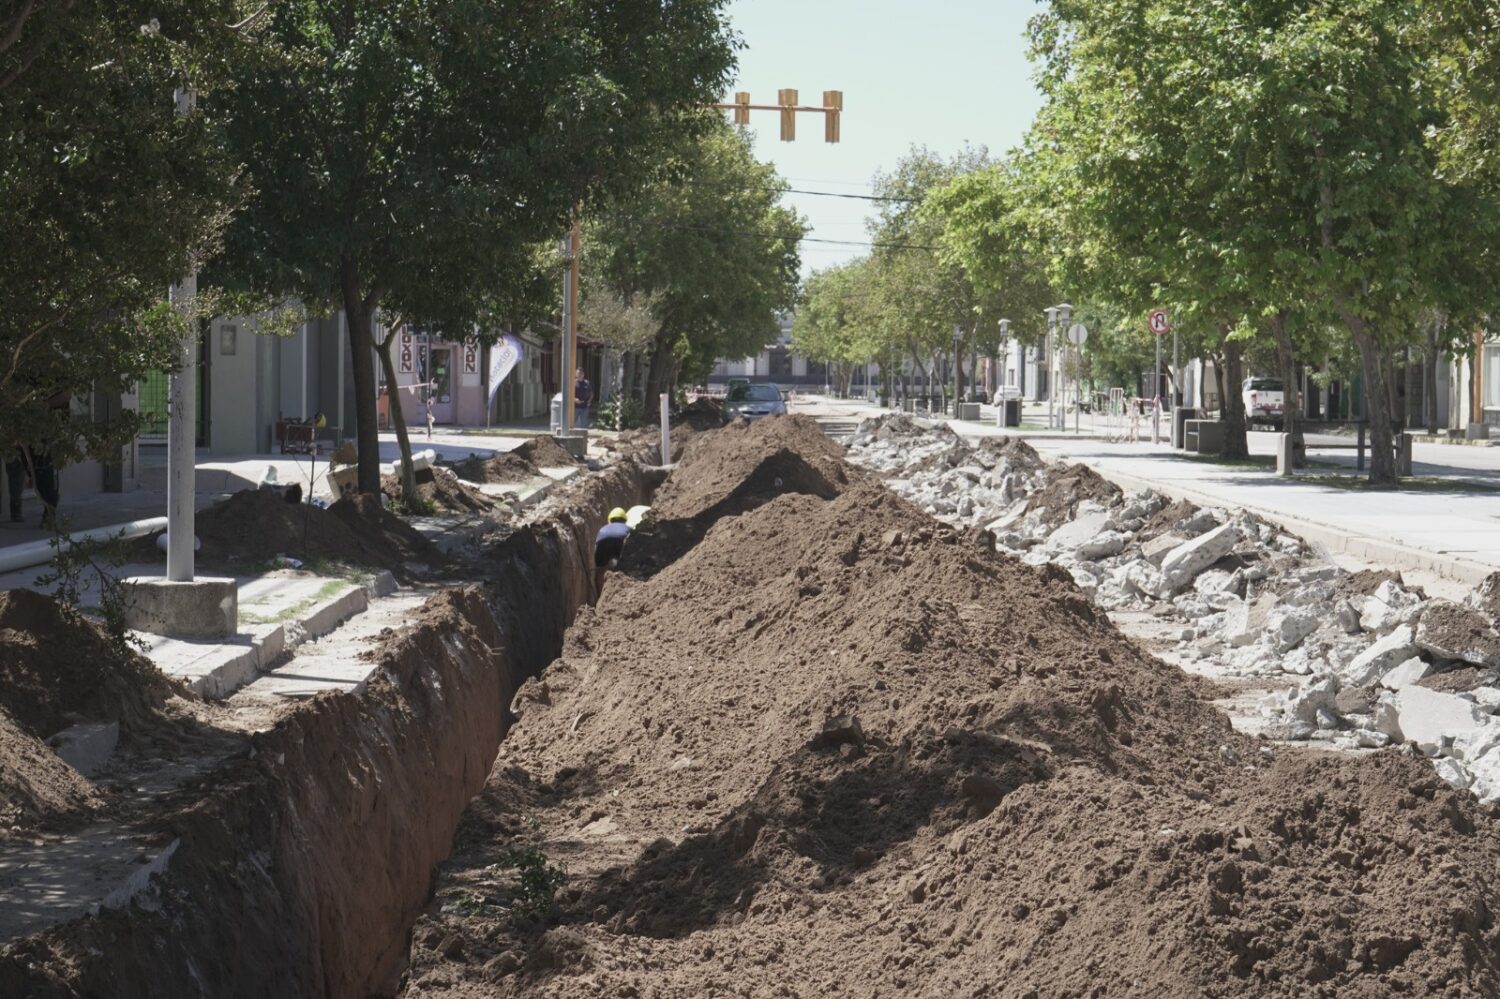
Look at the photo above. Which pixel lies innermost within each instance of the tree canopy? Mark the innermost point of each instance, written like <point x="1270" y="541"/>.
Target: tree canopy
<point x="409" y="155"/>
<point x="109" y="196"/>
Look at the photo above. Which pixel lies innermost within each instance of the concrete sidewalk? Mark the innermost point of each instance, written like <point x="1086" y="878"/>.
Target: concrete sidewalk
<point x="1448" y="526"/>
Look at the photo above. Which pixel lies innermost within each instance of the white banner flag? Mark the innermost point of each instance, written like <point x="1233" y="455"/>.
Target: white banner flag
<point x="504" y="355"/>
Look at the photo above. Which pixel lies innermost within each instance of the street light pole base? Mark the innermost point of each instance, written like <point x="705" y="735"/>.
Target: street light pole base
<point x="206" y="607"/>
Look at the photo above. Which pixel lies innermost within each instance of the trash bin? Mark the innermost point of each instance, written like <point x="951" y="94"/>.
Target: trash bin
<point x="1181" y="415"/>
<point x="557" y="414"/>
<point x="1012" y="414"/>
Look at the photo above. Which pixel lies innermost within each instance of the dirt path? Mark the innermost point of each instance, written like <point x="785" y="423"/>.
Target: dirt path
<point x="832" y="747"/>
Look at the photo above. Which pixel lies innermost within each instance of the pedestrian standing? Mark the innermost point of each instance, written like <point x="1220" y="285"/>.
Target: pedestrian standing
<point x="583" y="397"/>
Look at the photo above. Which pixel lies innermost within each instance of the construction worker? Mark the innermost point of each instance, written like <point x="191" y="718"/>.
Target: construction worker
<point x="609" y="544"/>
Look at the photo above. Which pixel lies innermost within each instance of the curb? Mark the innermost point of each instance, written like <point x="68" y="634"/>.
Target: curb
<point x="261" y="651"/>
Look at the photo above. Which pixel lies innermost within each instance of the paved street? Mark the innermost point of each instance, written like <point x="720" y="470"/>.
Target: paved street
<point x="1449" y="514"/>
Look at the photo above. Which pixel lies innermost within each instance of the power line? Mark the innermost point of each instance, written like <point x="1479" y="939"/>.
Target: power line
<point x="787" y="237"/>
<point x="798" y="190"/>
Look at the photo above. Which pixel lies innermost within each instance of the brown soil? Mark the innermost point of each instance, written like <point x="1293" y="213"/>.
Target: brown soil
<point x="38" y="790"/>
<point x="544" y="452"/>
<point x="57" y="669"/>
<point x="703" y="413"/>
<point x="837" y="749"/>
<point x="443" y="492"/>
<point x="726" y="472"/>
<point x="508" y="467"/>
<point x="255" y="525"/>
<point x="1058" y="500"/>
<point x="1167" y="518"/>
<point x="1365" y="582"/>
<point x="1458" y="681"/>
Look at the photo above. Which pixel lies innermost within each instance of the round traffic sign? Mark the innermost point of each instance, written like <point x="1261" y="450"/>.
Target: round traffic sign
<point x="1077" y="334"/>
<point x="1159" y="322"/>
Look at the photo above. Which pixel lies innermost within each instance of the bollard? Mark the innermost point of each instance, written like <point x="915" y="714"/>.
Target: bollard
<point x="1403" y="455"/>
<point x="1359" y="454"/>
<point x="666" y="430"/>
<point x="1286" y="458"/>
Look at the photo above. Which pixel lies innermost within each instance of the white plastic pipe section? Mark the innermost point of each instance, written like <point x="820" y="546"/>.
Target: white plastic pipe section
<point x="32" y="553"/>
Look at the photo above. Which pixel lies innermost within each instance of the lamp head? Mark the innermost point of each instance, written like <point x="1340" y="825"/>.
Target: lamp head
<point x="1051" y="315"/>
<point x="1005" y="327"/>
<point x="1064" y="313"/>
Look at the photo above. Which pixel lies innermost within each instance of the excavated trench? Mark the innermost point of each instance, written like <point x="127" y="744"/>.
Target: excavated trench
<point x="305" y="862"/>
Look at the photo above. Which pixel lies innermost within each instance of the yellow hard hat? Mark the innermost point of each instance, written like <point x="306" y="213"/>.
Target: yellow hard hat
<point x="617" y="514"/>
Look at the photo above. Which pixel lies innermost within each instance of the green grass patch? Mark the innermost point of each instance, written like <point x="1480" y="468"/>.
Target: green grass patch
<point x="331" y="588"/>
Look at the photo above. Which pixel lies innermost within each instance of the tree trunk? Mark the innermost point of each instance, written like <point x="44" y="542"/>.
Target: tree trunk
<point x="1291" y="414"/>
<point x="359" y="310"/>
<point x="659" y="374"/>
<point x="1232" y="403"/>
<point x="1377" y="399"/>
<point x="398" y="420"/>
<point x="1429" y="392"/>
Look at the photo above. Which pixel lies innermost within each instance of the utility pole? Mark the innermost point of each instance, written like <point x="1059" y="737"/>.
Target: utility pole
<point x="572" y="248"/>
<point x="182" y="419"/>
<point x="958" y="370"/>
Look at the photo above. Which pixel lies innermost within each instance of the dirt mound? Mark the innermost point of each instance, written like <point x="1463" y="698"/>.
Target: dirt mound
<point x="1166" y="519"/>
<point x="38" y="790"/>
<point x="442" y="490"/>
<point x="835" y="720"/>
<point x="57" y="669"/>
<point x="728" y="471"/>
<point x="1365" y="582"/>
<point x="256" y="525"/>
<point x="507" y="467"/>
<point x="703" y="413"/>
<point x="746" y="461"/>
<point x="544" y="452"/>
<point x="1058" y="500"/>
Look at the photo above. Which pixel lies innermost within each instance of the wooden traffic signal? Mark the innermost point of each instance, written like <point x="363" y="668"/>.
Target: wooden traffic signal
<point x="742" y="107"/>
<point x="833" y="104"/>
<point x="787" y="98"/>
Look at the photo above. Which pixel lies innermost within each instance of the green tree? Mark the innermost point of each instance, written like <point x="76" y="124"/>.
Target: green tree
<point x="109" y="196"/>
<point x="838" y="321"/>
<point x="410" y="154"/>
<point x="1266" y="173"/>
<point x="925" y="291"/>
<point x="706" y="250"/>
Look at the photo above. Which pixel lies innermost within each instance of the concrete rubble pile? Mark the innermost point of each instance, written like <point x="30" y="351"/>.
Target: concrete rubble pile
<point x="1373" y="664"/>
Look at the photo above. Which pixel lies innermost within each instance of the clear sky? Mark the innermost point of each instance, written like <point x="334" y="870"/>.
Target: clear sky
<point x="935" y="73"/>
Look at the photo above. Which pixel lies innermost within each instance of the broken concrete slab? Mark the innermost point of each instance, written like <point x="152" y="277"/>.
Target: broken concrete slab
<point x="1186" y="561"/>
<point x="1434" y="720"/>
<point x="1077" y="531"/>
<point x="1244" y="624"/>
<point x="1382" y="656"/>
<point x="1450" y="630"/>
<point x="1388" y="607"/>
<point x="1102" y="545"/>
<point x="1288" y="626"/>
<point x="1157" y="548"/>
<point x="87" y="746"/>
<point x="1405" y="674"/>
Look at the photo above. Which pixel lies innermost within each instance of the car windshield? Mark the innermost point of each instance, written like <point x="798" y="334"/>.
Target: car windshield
<point x="755" y="393"/>
<point x="1264" y="385"/>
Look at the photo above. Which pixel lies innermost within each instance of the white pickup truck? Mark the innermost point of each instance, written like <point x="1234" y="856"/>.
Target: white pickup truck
<point x="1264" y="400"/>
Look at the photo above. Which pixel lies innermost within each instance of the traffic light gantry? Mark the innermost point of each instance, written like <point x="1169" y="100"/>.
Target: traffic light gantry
<point x="786" y="104"/>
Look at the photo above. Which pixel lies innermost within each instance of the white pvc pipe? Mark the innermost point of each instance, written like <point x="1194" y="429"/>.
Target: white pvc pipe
<point x="13" y="557"/>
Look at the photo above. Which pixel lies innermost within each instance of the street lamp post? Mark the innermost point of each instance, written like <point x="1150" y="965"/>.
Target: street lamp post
<point x="958" y="371"/>
<point x="1064" y="317"/>
<point x="1051" y="387"/>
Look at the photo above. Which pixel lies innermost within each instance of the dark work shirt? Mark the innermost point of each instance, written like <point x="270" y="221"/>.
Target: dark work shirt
<point x="583" y="392"/>
<point x="610" y="542"/>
